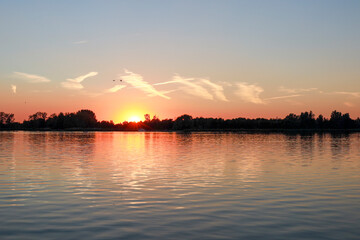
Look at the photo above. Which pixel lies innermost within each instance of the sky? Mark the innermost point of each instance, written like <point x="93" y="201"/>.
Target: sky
<point x="204" y="58"/>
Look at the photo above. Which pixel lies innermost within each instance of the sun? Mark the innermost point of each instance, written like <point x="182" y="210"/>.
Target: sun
<point x="131" y="113"/>
<point x="134" y="119"/>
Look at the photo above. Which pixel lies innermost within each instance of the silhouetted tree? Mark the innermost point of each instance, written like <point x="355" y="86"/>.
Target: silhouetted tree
<point x="183" y="122"/>
<point x="60" y="121"/>
<point x="320" y="121"/>
<point x="307" y="120"/>
<point x="51" y="121"/>
<point x="347" y="122"/>
<point x="147" y="117"/>
<point x="357" y="123"/>
<point x="291" y="121"/>
<point x="86" y="119"/>
<point x="107" y="125"/>
<point x="336" y="119"/>
<point x="38" y="115"/>
<point x="70" y="120"/>
<point x="130" y="126"/>
<point x="36" y="120"/>
<point x="6" y="119"/>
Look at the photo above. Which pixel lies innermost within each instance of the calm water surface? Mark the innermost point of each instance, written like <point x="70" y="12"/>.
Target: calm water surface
<point x="112" y="185"/>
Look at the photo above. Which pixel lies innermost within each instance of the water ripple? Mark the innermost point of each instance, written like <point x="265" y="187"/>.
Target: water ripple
<point x="93" y="185"/>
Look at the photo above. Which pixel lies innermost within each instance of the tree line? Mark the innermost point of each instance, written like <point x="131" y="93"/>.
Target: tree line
<point x="86" y="120"/>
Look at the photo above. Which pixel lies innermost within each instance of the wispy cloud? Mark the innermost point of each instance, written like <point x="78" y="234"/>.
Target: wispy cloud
<point x="137" y="81"/>
<point x="352" y="94"/>
<point x="283" y="97"/>
<point x="32" y="78"/>
<point x="198" y="87"/>
<point x="296" y="90"/>
<point x="115" y="89"/>
<point x="13" y="88"/>
<point x="190" y="87"/>
<point x="249" y="92"/>
<point x="72" y="85"/>
<point x="163" y="92"/>
<point x="75" y="83"/>
<point x="80" y="42"/>
<point x="82" y="77"/>
<point x="217" y="89"/>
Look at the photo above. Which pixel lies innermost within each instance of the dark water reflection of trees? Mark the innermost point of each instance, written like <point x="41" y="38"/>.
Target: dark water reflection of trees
<point x="7" y="142"/>
<point x="310" y="144"/>
<point x="340" y="145"/>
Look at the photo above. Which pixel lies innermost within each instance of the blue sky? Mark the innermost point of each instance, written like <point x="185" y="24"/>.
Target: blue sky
<point x="253" y="50"/>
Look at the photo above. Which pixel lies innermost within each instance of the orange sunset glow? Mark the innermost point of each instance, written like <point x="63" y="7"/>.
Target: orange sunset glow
<point x="132" y="113"/>
<point x="134" y="119"/>
<point x="158" y="119"/>
<point x="118" y="75"/>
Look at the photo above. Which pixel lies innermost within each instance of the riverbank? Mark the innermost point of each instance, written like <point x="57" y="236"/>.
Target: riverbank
<point x="191" y="130"/>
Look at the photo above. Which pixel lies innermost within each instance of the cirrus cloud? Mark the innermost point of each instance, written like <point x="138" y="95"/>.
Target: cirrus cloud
<point x="296" y="90"/>
<point x="32" y="78"/>
<point x="283" y="97"/>
<point x="190" y="87"/>
<point x="249" y="92"/>
<point x="198" y="87"/>
<point x="115" y="89"/>
<point x="351" y="94"/>
<point x="137" y="81"/>
<point x="75" y="83"/>
<point x="217" y="89"/>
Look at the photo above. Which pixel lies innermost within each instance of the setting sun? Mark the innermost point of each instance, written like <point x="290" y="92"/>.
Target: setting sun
<point x="120" y="112"/>
<point x="134" y="119"/>
<point x="131" y="113"/>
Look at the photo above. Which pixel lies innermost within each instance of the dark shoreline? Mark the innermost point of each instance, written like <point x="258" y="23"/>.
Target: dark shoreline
<point x="85" y="120"/>
<point x="293" y="131"/>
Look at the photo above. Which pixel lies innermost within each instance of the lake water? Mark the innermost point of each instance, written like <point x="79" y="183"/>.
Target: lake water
<point x="144" y="185"/>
